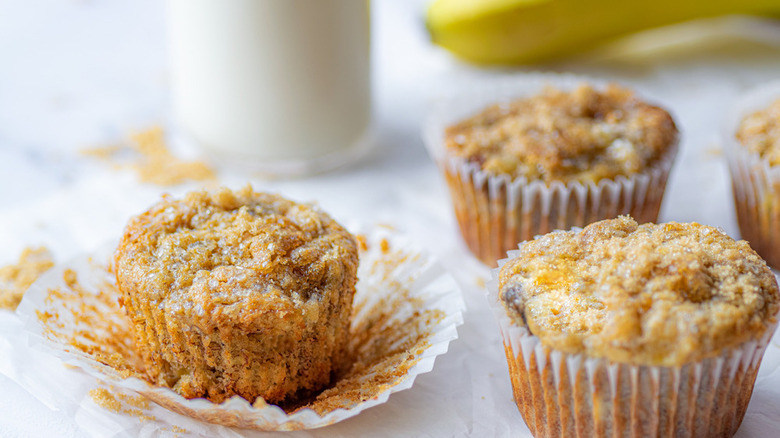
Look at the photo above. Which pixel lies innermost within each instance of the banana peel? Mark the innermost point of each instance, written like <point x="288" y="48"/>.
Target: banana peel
<point x="527" y="31"/>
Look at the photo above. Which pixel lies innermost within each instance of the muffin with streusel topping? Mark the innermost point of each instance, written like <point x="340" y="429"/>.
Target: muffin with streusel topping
<point x="753" y="151"/>
<point x="655" y="329"/>
<point x="237" y="293"/>
<point x="553" y="159"/>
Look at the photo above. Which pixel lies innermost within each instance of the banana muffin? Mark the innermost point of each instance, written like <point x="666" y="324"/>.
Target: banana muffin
<point x="756" y="180"/>
<point x="237" y="293"/>
<point x="556" y="159"/>
<point x="648" y="328"/>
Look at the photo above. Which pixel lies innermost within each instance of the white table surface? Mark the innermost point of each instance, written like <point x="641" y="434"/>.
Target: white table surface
<point x="77" y="73"/>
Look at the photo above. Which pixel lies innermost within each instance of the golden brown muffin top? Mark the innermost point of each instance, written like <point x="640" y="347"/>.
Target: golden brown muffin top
<point x="760" y="133"/>
<point x="583" y="135"/>
<point x="234" y="254"/>
<point x="647" y="294"/>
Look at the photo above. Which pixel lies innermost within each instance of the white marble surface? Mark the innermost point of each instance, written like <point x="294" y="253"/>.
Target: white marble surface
<point x="76" y="73"/>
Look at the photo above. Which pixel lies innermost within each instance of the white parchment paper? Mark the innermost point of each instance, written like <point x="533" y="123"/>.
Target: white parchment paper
<point x="71" y="377"/>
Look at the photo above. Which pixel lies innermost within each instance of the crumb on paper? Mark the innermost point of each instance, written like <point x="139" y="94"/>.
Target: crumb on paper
<point x="105" y="399"/>
<point x="120" y="403"/>
<point x="390" y="330"/>
<point x="714" y="151"/>
<point x="152" y="160"/>
<point x="16" y="278"/>
<point x="362" y="243"/>
<point x="480" y="282"/>
<point x="91" y="323"/>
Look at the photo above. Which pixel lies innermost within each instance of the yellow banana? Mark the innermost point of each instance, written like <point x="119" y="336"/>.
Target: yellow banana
<point x="522" y="31"/>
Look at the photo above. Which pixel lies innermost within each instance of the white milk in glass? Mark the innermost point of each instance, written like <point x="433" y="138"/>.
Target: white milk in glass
<point x="280" y="84"/>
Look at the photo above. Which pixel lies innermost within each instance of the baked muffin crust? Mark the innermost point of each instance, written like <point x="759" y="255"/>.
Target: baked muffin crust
<point x="759" y="132"/>
<point x="647" y="294"/>
<point x="237" y="293"/>
<point x="584" y="135"/>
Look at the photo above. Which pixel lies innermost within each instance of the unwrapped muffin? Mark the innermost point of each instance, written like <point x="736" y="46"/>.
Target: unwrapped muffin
<point x="622" y="329"/>
<point x="753" y="151"/>
<point x="238" y="293"/>
<point x="553" y="158"/>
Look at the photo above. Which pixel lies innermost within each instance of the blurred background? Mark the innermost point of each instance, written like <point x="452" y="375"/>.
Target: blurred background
<point x="81" y="74"/>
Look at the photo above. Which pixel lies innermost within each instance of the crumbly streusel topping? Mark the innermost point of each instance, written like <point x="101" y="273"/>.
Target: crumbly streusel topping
<point x="583" y="135"/>
<point x="648" y="294"/>
<point x="760" y="132"/>
<point x="240" y="252"/>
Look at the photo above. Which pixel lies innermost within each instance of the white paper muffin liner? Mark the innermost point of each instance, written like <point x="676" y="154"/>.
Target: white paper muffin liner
<point x="756" y="184"/>
<point x="495" y="213"/>
<point x="393" y="273"/>
<point x="565" y="395"/>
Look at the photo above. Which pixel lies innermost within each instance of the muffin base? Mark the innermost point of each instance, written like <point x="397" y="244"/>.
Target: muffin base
<point x="277" y="357"/>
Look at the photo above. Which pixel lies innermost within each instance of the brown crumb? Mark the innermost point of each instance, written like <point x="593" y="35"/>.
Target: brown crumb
<point x="119" y="403"/>
<point x="152" y="160"/>
<point x="714" y="151"/>
<point x="361" y="240"/>
<point x="15" y="279"/>
<point x="105" y="399"/>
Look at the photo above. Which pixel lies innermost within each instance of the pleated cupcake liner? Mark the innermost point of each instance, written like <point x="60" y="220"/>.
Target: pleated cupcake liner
<point x="83" y="325"/>
<point x="571" y="395"/>
<point x="495" y="212"/>
<point x="755" y="183"/>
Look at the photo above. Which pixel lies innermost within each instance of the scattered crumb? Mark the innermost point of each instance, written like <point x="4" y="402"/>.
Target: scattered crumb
<point x="361" y="240"/>
<point x="15" y="279"/>
<point x="480" y="282"/>
<point x="713" y="151"/>
<point x="152" y="160"/>
<point x="105" y="399"/>
<point x="105" y="153"/>
<point x="119" y="403"/>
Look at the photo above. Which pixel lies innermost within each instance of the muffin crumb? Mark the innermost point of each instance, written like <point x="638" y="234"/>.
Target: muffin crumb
<point x="152" y="160"/>
<point x="16" y="278"/>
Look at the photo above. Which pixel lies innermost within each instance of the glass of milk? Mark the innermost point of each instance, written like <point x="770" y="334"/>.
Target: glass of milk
<point x="280" y="85"/>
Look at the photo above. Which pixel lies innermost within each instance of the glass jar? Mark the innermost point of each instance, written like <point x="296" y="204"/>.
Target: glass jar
<point x="281" y="85"/>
